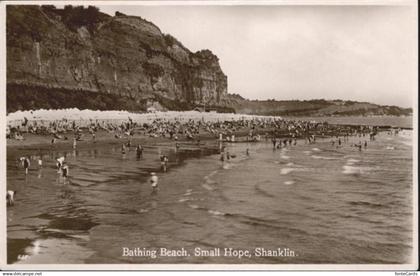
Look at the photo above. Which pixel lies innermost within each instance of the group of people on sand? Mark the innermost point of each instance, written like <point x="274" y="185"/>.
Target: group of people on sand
<point x="283" y="133"/>
<point x="189" y="129"/>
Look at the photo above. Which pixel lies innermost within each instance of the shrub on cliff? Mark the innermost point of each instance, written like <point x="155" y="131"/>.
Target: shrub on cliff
<point x="75" y="17"/>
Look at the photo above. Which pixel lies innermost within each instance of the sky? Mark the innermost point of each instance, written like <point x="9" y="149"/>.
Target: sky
<point x="362" y="53"/>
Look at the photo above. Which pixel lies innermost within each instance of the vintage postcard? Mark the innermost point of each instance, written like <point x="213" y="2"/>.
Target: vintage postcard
<point x="208" y="135"/>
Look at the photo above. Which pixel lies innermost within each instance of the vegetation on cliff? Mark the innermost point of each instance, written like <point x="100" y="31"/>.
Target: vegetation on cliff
<point x="315" y="107"/>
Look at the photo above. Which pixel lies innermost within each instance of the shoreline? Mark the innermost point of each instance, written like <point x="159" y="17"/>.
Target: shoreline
<point x="37" y="145"/>
<point x="20" y="247"/>
<point x="33" y="142"/>
<point x="37" y="129"/>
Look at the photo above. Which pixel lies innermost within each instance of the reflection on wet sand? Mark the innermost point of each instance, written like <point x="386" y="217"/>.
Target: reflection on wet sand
<point x="305" y="196"/>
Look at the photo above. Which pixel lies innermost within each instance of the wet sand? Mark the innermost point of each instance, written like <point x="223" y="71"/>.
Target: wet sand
<point x="107" y="203"/>
<point x="360" y="210"/>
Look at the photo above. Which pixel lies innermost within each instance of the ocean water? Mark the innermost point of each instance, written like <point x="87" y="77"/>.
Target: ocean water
<point x="326" y="204"/>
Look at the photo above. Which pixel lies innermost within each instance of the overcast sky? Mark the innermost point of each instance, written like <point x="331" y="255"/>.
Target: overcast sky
<point x="363" y="53"/>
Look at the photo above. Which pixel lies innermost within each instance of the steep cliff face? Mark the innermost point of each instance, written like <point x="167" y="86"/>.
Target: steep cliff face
<point x="120" y="55"/>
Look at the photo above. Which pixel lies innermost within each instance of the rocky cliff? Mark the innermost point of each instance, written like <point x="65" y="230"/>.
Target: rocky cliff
<point x="80" y="57"/>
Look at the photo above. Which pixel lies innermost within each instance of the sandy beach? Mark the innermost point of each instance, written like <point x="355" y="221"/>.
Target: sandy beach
<point x="273" y="198"/>
<point x="85" y="118"/>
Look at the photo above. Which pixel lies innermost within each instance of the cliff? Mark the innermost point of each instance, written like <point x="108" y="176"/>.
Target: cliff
<point x="80" y="57"/>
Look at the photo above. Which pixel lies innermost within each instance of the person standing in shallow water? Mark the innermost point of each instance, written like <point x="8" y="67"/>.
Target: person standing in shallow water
<point x="163" y="162"/>
<point x="139" y="151"/>
<point x="65" y="171"/>
<point x="154" y="182"/>
<point x="59" y="163"/>
<point x="26" y="163"/>
<point x="123" y="148"/>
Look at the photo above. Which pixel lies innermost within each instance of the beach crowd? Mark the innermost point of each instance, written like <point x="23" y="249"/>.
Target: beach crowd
<point x="280" y="132"/>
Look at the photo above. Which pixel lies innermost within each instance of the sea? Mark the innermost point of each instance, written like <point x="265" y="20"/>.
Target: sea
<point x="315" y="203"/>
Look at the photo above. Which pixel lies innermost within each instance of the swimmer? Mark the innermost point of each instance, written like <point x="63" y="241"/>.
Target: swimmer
<point x="154" y="182"/>
<point x="74" y="143"/>
<point x="365" y="144"/>
<point x="39" y="163"/>
<point x="123" y="148"/>
<point x="247" y="152"/>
